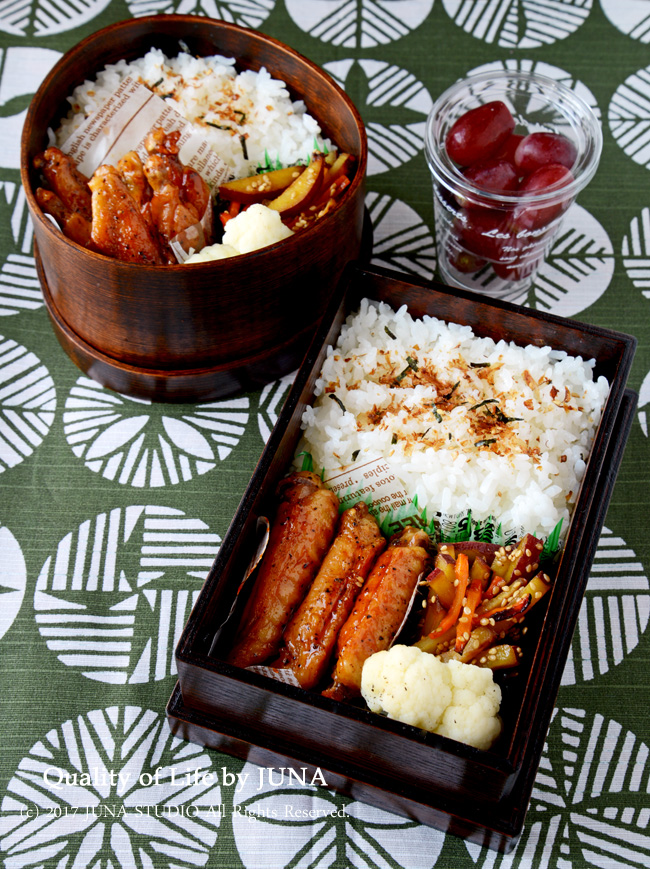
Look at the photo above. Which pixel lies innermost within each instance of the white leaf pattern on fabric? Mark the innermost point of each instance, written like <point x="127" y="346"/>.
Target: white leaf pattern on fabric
<point x="22" y="69"/>
<point x="107" y="785"/>
<point x="270" y="403"/>
<point x="644" y="403"/>
<point x="113" y="599"/>
<point x="579" y="267"/>
<point x="588" y="801"/>
<point x="27" y="403"/>
<point x="364" y="24"/>
<point x="614" y="613"/>
<point x="393" y="144"/>
<point x="114" y="438"/>
<point x="629" y="116"/>
<point x="248" y="13"/>
<point x="635" y="250"/>
<point x="119" y="434"/>
<point x="188" y="438"/>
<point x="518" y="23"/>
<point x="41" y="18"/>
<point x="13" y="579"/>
<point x="401" y="239"/>
<point x="631" y="17"/>
<point x="314" y="828"/>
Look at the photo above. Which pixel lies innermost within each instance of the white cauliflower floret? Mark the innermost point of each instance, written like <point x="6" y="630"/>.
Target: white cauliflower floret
<point x="256" y="227"/>
<point x="460" y="701"/>
<point x="473" y="714"/>
<point x="407" y="686"/>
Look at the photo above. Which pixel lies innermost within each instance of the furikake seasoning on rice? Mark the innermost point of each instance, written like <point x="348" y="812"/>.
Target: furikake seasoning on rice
<point x="247" y="117"/>
<point x="467" y="423"/>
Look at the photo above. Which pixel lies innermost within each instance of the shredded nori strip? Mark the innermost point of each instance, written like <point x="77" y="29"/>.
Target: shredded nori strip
<point x="242" y="141"/>
<point x="389" y="333"/>
<point x="479" y="364"/>
<point x="486" y="442"/>
<point x="483" y="403"/>
<point x="393" y="440"/>
<point x="500" y="415"/>
<point x="338" y="401"/>
<point x="243" y="115"/>
<point x="355" y="455"/>
<point x="156" y="83"/>
<point x="218" y="126"/>
<point x="436" y="413"/>
<point x="453" y="389"/>
<point x="412" y="365"/>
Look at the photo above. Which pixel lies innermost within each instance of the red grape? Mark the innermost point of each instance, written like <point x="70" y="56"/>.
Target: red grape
<point x="478" y="133"/>
<point x="546" y="178"/>
<point x="540" y="149"/>
<point x="486" y="233"/>
<point x="493" y="176"/>
<point x="507" y="150"/>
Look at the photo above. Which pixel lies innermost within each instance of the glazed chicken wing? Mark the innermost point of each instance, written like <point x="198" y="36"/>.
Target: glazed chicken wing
<point x="132" y="211"/>
<point x="118" y="228"/>
<point x="64" y="179"/>
<point x="180" y="195"/>
<point x="73" y="224"/>
<point x="171" y="215"/>
<point x="132" y="171"/>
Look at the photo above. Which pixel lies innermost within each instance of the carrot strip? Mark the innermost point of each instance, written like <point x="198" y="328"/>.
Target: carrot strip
<point x="233" y="211"/>
<point x="464" y="626"/>
<point x="462" y="578"/>
<point x="511" y="609"/>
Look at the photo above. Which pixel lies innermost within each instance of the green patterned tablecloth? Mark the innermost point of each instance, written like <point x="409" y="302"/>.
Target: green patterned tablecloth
<point x="112" y="509"/>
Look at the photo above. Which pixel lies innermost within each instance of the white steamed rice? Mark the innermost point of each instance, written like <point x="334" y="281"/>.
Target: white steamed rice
<point x="211" y="93"/>
<point x="524" y="472"/>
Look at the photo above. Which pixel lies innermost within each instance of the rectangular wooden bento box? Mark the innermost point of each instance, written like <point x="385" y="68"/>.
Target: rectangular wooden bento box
<point x="479" y="795"/>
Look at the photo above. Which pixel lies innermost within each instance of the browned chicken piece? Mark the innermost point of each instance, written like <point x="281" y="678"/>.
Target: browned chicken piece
<point x="64" y="179"/>
<point x="301" y="534"/>
<point x="162" y="171"/>
<point x="310" y="637"/>
<point x="163" y="167"/>
<point x="160" y="142"/>
<point x="194" y="191"/>
<point x="180" y="195"/>
<point x="132" y="171"/>
<point x="73" y="224"/>
<point x="380" y="609"/>
<point x="171" y="215"/>
<point x="118" y="228"/>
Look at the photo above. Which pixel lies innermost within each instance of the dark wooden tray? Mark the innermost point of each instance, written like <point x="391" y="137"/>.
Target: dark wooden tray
<point x="480" y="795"/>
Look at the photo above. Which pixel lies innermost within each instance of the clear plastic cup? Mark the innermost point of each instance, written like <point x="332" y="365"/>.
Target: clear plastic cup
<point x="495" y="241"/>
